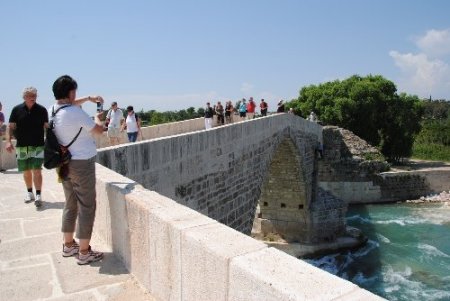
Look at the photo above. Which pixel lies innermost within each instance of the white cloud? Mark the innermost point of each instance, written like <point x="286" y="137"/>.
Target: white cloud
<point x="421" y="75"/>
<point x="435" y="43"/>
<point x="427" y="72"/>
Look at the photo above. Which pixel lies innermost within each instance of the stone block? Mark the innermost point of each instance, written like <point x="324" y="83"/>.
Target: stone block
<point x="16" y="249"/>
<point x="359" y="294"/>
<point x="10" y="229"/>
<point x="88" y="276"/>
<point x="31" y="283"/>
<point x="165" y="228"/>
<point x="129" y="290"/>
<point x="272" y="275"/>
<point x="205" y="253"/>
<point x="39" y="226"/>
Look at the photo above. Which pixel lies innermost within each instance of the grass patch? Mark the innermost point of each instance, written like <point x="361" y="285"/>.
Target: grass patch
<point x="431" y="151"/>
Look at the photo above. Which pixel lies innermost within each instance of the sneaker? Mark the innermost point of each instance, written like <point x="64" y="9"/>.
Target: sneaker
<point x="38" y="201"/>
<point x="72" y="250"/>
<point x="91" y="256"/>
<point x="29" y="197"/>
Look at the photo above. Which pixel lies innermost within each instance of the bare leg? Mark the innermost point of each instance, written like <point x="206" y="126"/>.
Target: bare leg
<point x="84" y="245"/>
<point x="28" y="178"/>
<point x="68" y="239"/>
<point x="37" y="179"/>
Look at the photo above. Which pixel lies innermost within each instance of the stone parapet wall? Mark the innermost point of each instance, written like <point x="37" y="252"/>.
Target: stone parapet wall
<point x="177" y="253"/>
<point x="347" y="175"/>
<point x="410" y="185"/>
<point x="157" y="131"/>
<point x="218" y="172"/>
<point x="8" y="161"/>
<point x="391" y="186"/>
<point x="353" y="192"/>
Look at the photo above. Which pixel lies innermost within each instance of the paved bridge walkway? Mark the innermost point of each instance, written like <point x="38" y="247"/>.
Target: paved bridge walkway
<point x="31" y="265"/>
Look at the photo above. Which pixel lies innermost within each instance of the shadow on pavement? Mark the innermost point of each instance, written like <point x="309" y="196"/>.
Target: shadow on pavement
<point x="110" y="265"/>
<point x="11" y="172"/>
<point x="51" y="205"/>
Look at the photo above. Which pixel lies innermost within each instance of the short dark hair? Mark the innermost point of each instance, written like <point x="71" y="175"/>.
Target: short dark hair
<point x="130" y="108"/>
<point x="63" y="85"/>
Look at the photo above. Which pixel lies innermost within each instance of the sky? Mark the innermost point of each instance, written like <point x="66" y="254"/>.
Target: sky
<point x="176" y="54"/>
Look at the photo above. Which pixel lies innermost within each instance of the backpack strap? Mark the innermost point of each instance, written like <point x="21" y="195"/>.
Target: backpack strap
<point x="53" y="115"/>
<point x="57" y="110"/>
<point x="74" y="138"/>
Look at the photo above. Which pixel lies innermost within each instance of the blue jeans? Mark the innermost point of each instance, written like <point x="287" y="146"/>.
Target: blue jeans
<point x="132" y="136"/>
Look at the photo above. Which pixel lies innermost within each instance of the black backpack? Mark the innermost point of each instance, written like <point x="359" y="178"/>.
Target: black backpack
<point x="55" y="154"/>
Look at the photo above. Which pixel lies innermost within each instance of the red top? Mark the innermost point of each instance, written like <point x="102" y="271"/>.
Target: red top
<point x="251" y="107"/>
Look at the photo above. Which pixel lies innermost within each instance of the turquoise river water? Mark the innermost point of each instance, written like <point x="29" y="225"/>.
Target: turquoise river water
<point x="407" y="256"/>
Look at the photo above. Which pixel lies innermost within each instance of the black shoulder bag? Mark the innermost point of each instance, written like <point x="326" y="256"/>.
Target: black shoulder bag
<point x="55" y="154"/>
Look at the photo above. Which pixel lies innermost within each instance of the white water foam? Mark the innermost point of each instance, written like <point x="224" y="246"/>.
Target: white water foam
<point x="404" y="221"/>
<point x="398" y="280"/>
<point x="369" y="247"/>
<point x="438" y="215"/>
<point x="383" y="238"/>
<point x="360" y="279"/>
<point x="327" y="263"/>
<point x="432" y="250"/>
<point x="398" y="283"/>
<point x="359" y="218"/>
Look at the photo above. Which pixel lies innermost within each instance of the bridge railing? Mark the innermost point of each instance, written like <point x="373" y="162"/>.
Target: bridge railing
<point x="177" y="253"/>
<point x="8" y="160"/>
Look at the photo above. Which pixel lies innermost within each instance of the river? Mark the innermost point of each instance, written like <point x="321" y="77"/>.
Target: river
<point x="407" y="256"/>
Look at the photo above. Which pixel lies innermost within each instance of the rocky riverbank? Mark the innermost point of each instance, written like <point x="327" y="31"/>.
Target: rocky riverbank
<point x="351" y="240"/>
<point x="435" y="198"/>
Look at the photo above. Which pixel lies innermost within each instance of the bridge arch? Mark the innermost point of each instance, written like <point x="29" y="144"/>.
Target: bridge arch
<point x="283" y="200"/>
<point x="221" y="172"/>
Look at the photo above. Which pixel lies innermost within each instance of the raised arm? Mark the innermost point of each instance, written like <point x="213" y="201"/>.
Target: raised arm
<point x="81" y="100"/>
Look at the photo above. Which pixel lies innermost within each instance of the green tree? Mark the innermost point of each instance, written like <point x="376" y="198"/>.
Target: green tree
<point x="436" y="109"/>
<point x="191" y="112"/>
<point x="402" y="124"/>
<point x="369" y="106"/>
<point x="201" y="112"/>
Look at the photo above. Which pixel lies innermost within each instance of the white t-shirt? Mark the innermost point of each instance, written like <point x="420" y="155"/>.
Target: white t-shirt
<point x="114" y="118"/>
<point x="131" y="123"/>
<point x="67" y="123"/>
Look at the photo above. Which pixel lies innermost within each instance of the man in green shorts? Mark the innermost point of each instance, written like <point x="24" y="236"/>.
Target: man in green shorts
<point x="27" y="123"/>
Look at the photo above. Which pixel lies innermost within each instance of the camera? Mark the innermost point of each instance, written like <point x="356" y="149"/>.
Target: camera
<point x="99" y="107"/>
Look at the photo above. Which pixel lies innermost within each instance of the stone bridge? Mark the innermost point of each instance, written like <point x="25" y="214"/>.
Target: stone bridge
<point x="163" y="206"/>
<point x="224" y="172"/>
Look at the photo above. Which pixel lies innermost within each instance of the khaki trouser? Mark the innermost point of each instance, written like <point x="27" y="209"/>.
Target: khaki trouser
<point x="79" y="189"/>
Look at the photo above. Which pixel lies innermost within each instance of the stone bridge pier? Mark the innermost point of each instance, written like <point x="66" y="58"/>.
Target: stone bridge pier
<point x="225" y="171"/>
